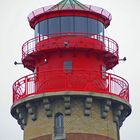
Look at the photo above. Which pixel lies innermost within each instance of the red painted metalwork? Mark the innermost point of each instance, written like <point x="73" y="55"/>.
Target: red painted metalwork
<point x="90" y="55"/>
<point x="45" y="44"/>
<point x="76" y="80"/>
<point x="90" y="11"/>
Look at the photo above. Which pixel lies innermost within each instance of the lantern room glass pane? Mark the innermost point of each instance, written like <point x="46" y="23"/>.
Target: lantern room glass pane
<point x="43" y="27"/>
<point x="92" y="26"/>
<point x="37" y="30"/>
<point x="100" y="28"/>
<point x="54" y="25"/>
<point x="67" y="24"/>
<point x="80" y="24"/>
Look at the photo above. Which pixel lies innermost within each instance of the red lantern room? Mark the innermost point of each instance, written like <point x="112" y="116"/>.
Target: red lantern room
<point x="70" y="54"/>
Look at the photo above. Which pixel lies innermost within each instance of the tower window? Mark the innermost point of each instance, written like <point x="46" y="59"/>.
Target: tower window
<point x="68" y="66"/>
<point x="59" y="124"/>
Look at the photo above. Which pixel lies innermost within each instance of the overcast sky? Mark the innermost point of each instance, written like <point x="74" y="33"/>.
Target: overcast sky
<point x="15" y="30"/>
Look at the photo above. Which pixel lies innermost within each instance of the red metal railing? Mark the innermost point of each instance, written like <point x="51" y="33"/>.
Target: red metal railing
<point x="30" y="46"/>
<point x="75" y="80"/>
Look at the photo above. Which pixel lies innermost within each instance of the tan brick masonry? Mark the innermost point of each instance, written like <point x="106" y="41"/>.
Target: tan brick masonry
<point x="79" y="126"/>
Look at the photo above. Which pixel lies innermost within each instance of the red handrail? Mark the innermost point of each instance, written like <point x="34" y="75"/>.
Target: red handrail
<point x="76" y="80"/>
<point x="31" y="45"/>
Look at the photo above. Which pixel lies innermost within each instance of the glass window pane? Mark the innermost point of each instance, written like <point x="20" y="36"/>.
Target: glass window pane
<point x="100" y="28"/>
<point x="67" y="64"/>
<point x="36" y="30"/>
<point x="43" y="27"/>
<point x="54" y="25"/>
<point x="59" y="124"/>
<point x="92" y="26"/>
<point x="67" y="24"/>
<point x="81" y="24"/>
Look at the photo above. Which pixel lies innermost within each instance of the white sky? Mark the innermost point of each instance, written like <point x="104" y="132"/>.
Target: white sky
<point x="15" y="30"/>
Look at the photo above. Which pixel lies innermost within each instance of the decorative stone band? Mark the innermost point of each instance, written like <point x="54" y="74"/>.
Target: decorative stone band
<point x="120" y="110"/>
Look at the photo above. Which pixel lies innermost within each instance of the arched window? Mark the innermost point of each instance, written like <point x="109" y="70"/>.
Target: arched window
<point x="59" y="124"/>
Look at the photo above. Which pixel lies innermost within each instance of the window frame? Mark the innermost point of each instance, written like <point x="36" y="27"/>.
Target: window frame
<point x="68" y="66"/>
<point x="59" y="124"/>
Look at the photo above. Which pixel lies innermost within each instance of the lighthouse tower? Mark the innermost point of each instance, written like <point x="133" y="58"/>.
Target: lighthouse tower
<point x="70" y="95"/>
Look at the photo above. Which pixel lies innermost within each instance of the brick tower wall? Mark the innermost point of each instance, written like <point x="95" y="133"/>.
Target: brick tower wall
<point x="80" y="122"/>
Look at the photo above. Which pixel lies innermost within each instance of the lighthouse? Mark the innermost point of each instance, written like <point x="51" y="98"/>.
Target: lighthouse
<point x="69" y="94"/>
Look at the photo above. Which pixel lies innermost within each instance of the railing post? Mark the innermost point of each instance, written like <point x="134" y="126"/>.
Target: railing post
<point x="26" y="46"/>
<point x="26" y="86"/>
<point x="108" y="44"/>
<point x="35" y="83"/>
<point x="128" y="93"/>
<point x="13" y="95"/>
<point x="109" y="81"/>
